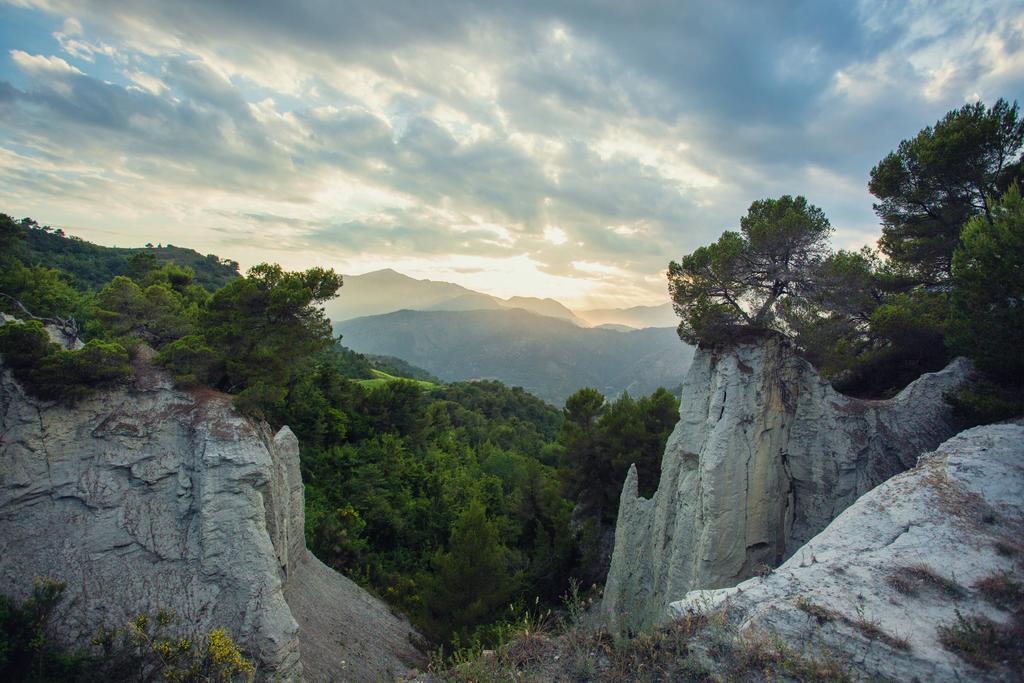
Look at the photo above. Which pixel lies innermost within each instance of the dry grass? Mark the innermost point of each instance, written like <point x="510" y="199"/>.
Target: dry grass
<point x="1002" y="591"/>
<point x="763" y="654"/>
<point x="868" y="628"/>
<point x="910" y="579"/>
<point x="697" y="647"/>
<point x="821" y="613"/>
<point x="985" y="643"/>
<point x="965" y="508"/>
<point x="1006" y="549"/>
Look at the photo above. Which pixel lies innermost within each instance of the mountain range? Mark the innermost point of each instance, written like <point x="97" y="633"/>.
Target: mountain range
<point x="549" y="357"/>
<point x="386" y="291"/>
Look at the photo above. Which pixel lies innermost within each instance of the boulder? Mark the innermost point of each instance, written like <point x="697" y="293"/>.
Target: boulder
<point x="764" y="456"/>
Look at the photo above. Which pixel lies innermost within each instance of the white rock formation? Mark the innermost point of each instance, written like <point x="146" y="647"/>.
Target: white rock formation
<point x="764" y="456"/>
<point x="147" y="497"/>
<point x="957" y="516"/>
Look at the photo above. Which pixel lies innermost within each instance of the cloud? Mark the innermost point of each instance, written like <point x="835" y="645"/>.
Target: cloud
<point x="581" y="141"/>
<point x="41" y="64"/>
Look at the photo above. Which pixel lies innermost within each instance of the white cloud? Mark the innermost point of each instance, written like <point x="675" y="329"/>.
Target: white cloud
<point x="41" y="64"/>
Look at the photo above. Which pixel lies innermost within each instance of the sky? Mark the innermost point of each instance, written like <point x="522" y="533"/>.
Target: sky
<point x="554" y="149"/>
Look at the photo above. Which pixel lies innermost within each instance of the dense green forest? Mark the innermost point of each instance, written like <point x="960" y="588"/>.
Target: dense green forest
<point x="453" y="502"/>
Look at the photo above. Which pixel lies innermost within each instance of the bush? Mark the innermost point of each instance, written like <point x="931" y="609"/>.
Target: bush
<point x="190" y="360"/>
<point x="28" y="650"/>
<point x="51" y="373"/>
<point x="146" y="648"/>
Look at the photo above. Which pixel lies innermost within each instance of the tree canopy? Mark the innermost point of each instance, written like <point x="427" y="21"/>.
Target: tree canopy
<point x="933" y="183"/>
<point x="987" y="317"/>
<point x="744" y="278"/>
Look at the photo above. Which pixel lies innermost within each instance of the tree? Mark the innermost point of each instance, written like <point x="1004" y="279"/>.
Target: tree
<point x="987" y="318"/>
<point x="743" y="279"/>
<point x="932" y="184"/>
<point x="472" y="580"/>
<point x="260" y="331"/>
<point x="154" y="315"/>
<point x="11" y="237"/>
<point x="866" y="327"/>
<point x="583" y="463"/>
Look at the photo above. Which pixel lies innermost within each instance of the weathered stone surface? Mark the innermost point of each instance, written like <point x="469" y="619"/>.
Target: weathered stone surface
<point x="146" y="497"/>
<point x="958" y="515"/>
<point x="764" y="456"/>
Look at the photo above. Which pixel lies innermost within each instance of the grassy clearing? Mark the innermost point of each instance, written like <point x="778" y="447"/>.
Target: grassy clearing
<point x="380" y="377"/>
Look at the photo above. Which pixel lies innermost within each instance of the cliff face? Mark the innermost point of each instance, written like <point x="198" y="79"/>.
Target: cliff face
<point x="148" y="497"/>
<point x="880" y="583"/>
<point x="764" y="456"/>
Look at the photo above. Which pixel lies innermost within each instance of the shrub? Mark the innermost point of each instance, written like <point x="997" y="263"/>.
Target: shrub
<point x="149" y="647"/>
<point x="52" y="373"/>
<point x="28" y="650"/>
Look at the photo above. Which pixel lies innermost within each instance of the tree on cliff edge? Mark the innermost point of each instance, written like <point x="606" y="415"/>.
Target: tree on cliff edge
<point x="742" y="280"/>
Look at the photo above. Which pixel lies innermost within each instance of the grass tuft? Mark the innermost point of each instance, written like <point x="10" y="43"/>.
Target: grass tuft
<point x="910" y="579"/>
<point x="983" y="642"/>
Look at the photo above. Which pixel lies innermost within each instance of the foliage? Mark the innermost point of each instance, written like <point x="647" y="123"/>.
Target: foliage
<point x="43" y="291"/>
<point x="598" y="442"/>
<point x="932" y="184"/>
<point x="386" y="493"/>
<point x="899" y="339"/>
<point x="742" y="280"/>
<point x="987" y="316"/>
<point x="28" y="647"/>
<point x="392" y="471"/>
<point x="52" y="373"/>
<point x="158" y="314"/>
<point x="146" y="648"/>
<point x="256" y="334"/>
<point x="471" y="582"/>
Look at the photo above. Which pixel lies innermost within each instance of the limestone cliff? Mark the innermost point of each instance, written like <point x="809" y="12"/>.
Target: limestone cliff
<point x="913" y="557"/>
<point x="147" y="497"/>
<point x="764" y="456"/>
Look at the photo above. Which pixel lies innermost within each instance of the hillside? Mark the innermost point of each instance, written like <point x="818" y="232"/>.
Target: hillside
<point x="387" y="291"/>
<point x="91" y="266"/>
<point x="548" y="357"/>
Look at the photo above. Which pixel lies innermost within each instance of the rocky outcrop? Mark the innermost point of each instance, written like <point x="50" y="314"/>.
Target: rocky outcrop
<point x="764" y="456"/>
<point x="147" y="497"/>
<point x="931" y="549"/>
